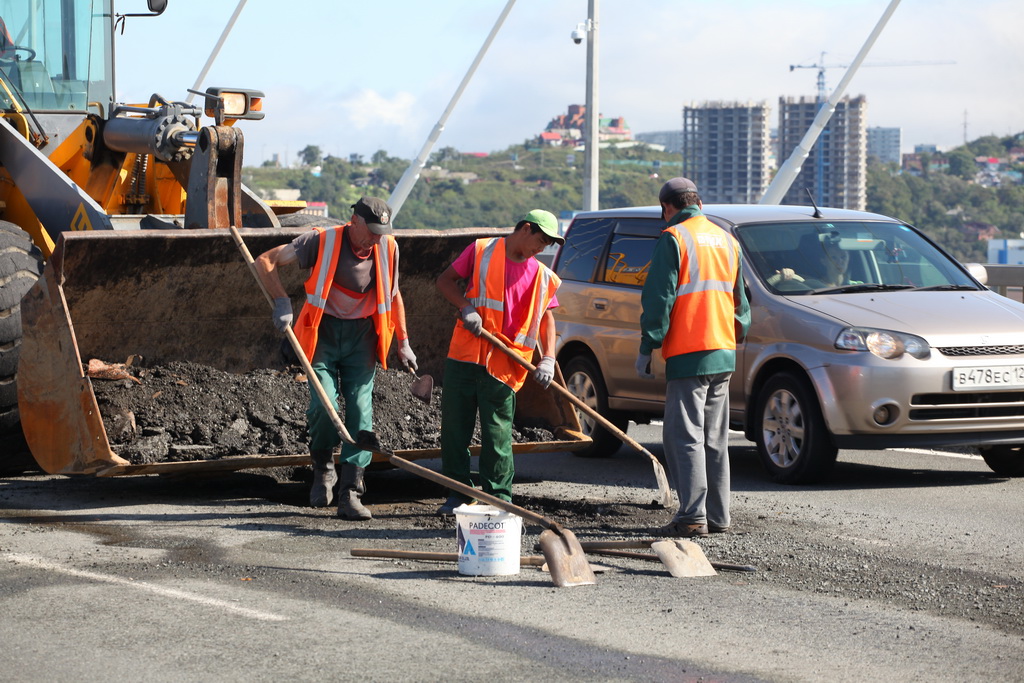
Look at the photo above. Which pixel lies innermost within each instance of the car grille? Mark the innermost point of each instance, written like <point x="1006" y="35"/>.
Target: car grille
<point x="981" y="350"/>
<point x="966" y="406"/>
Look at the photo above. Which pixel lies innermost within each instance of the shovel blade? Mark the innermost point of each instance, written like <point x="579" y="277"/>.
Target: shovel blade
<point x="423" y="388"/>
<point x="567" y="563"/>
<point x="683" y="557"/>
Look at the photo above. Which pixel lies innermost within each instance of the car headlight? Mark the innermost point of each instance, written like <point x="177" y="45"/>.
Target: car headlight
<point x="883" y="343"/>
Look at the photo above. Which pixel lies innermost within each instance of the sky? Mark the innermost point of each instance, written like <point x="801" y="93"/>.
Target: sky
<point x="357" y="76"/>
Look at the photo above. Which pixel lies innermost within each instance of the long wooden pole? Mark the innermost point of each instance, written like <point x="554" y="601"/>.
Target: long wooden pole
<point x="659" y="472"/>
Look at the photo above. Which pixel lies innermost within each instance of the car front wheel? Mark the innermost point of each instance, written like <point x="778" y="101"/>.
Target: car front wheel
<point x="584" y="380"/>
<point x="792" y="439"/>
<point x="1004" y="460"/>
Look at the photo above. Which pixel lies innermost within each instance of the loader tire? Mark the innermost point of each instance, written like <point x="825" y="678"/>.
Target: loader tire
<point x="21" y="264"/>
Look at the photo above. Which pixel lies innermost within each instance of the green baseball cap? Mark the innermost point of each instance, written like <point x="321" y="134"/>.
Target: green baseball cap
<point x="546" y="221"/>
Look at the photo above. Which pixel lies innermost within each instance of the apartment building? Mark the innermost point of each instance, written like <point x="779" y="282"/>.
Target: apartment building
<point x="835" y="170"/>
<point x="884" y="144"/>
<point x="726" y="148"/>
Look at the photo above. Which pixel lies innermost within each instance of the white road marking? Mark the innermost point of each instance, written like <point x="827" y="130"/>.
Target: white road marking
<point x="40" y="563"/>
<point x="945" y="454"/>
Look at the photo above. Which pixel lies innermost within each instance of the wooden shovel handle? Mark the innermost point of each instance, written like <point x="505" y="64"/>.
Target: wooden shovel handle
<point x="527" y="560"/>
<point x="616" y="549"/>
<point x="565" y="392"/>
<point x="659" y="471"/>
<point x="471" y="492"/>
<point x="296" y="346"/>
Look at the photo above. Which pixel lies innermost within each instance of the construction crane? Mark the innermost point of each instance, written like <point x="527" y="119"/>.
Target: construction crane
<point x="823" y="95"/>
<point x="823" y="91"/>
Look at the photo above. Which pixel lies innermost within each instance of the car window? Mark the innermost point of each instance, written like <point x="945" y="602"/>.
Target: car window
<point x="630" y="251"/>
<point x="804" y="257"/>
<point x="629" y="260"/>
<point x="584" y="245"/>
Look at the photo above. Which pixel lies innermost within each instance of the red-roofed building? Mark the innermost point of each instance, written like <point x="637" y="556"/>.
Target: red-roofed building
<point x="569" y="128"/>
<point x="551" y="138"/>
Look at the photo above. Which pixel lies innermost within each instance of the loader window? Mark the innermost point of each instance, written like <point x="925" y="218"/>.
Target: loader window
<point x="59" y="56"/>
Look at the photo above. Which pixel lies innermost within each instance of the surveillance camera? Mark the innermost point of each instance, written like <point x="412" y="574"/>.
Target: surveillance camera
<point x="577" y="36"/>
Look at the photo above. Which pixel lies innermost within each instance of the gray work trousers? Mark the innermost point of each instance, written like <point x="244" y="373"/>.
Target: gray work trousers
<point x="696" y="439"/>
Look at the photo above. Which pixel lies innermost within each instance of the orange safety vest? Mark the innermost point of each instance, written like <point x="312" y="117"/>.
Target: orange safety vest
<point x="703" y="314"/>
<point x="322" y="278"/>
<point x="486" y="292"/>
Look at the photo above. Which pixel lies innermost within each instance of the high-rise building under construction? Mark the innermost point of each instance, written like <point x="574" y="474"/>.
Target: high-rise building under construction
<point x="726" y="150"/>
<point x="835" y="170"/>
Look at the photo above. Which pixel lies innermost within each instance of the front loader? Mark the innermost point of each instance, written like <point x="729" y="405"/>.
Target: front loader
<point x="114" y="244"/>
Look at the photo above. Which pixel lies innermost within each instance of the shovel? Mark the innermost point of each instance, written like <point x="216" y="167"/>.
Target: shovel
<point x="659" y="472"/>
<point x="667" y="552"/>
<point x="562" y="550"/>
<point x="368" y="440"/>
<point x="422" y="387"/>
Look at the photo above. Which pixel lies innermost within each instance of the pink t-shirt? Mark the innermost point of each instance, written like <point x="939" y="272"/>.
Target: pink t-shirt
<point x="518" y="282"/>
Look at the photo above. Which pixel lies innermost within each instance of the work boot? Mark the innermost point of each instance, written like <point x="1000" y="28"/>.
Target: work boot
<point x="324" y="478"/>
<point x="352" y="489"/>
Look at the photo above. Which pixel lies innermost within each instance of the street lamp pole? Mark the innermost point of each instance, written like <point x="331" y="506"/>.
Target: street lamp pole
<point x="593" y="115"/>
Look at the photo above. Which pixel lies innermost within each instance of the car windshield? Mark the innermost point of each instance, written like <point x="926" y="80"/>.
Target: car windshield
<point x="805" y="258"/>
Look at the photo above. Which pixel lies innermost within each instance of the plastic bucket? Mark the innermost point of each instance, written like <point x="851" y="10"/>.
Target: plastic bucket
<point x="489" y="540"/>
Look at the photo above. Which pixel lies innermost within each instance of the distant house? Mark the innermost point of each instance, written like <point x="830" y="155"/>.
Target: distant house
<point x="568" y="129"/>
<point x="980" y="231"/>
<point x="315" y="209"/>
<point x="914" y="163"/>
<point x="551" y="138"/>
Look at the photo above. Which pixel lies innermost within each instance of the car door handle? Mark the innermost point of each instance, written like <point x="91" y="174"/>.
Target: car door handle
<point x="601" y="304"/>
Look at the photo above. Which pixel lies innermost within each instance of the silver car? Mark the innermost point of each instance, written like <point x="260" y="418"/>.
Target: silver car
<point x="864" y="334"/>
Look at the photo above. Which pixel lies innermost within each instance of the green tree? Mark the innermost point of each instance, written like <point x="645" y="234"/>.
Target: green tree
<point x="311" y="155"/>
<point x="961" y="164"/>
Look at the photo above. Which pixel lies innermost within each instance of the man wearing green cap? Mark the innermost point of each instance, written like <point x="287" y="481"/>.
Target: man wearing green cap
<point x="510" y="294"/>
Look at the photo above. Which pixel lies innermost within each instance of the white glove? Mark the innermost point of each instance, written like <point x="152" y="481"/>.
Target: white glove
<point x="282" y="313"/>
<point x="406" y="355"/>
<point x="472" y="320"/>
<point x="545" y="371"/>
<point x="643" y="366"/>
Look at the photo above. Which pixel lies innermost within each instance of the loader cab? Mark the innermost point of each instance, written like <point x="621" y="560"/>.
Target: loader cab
<point x="56" y="55"/>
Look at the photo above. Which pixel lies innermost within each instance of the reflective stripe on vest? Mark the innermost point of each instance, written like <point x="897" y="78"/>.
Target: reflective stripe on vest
<point x="484" y="257"/>
<point x="321" y="279"/>
<point x="703" y="314"/>
<point x="487" y="294"/>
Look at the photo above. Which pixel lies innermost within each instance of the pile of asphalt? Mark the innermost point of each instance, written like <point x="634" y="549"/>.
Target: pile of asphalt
<point x="187" y="411"/>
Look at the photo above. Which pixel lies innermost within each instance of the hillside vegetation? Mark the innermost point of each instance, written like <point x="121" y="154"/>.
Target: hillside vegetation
<point x="459" y="190"/>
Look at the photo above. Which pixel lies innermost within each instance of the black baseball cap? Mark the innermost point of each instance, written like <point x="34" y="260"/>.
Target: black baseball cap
<point x="673" y="189"/>
<point x="376" y="213"/>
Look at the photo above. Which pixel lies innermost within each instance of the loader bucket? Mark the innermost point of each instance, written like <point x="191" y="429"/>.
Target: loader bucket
<point x="187" y="295"/>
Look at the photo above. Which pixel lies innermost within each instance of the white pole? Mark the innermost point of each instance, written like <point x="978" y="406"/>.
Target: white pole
<point x="216" y="49"/>
<point x="412" y="173"/>
<point x="791" y="168"/>
<point x="591" y="164"/>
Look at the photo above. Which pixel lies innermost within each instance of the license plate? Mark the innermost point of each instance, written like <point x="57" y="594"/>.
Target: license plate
<point x="990" y="377"/>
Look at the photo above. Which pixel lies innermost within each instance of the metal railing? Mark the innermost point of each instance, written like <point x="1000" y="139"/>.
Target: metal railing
<point x="1004" y="279"/>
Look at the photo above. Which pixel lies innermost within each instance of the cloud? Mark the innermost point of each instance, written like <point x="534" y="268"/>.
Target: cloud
<point x="368" y="110"/>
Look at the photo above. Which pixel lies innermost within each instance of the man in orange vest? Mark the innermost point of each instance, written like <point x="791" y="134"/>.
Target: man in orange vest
<point x="510" y="294"/>
<point x="353" y="310"/>
<point x="694" y="310"/>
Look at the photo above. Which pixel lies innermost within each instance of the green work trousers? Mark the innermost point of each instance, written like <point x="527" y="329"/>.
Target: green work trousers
<point x="469" y="389"/>
<point x="345" y="363"/>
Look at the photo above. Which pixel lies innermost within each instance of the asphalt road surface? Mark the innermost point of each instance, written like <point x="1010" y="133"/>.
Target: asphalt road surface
<point x="903" y="566"/>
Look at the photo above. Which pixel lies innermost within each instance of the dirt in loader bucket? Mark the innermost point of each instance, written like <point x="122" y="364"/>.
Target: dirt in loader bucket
<point x="187" y="296"/>
<point x="185" y="411"/>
